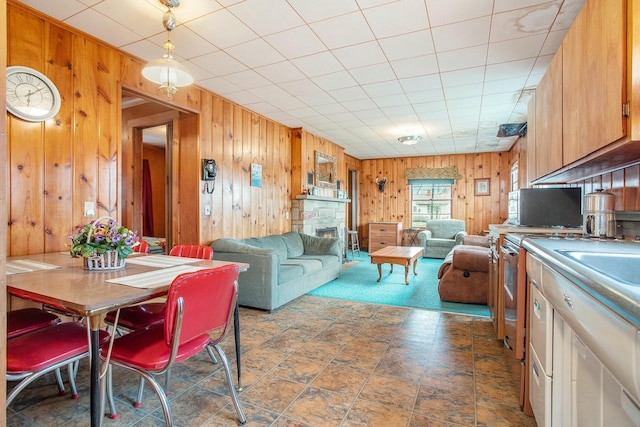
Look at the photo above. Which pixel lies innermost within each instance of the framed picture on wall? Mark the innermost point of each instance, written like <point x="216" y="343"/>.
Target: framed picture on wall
<point x="482" y="187"/>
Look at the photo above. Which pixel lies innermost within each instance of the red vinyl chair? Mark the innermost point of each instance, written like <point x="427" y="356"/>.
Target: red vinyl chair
<point x="192" y="251"/>
<point x="142" y="247"/>
<point x="198" y="315"/>
<point x="22" y="321"/>
<point x="25" y="320"/>
<point x="36" y="353"/>
<point x="142" y="315"/>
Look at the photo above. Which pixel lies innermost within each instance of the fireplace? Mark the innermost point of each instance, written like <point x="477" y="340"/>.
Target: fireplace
<point x="327" y="232"/>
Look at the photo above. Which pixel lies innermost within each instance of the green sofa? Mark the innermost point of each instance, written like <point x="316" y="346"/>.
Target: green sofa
<point x="281" y="267"/>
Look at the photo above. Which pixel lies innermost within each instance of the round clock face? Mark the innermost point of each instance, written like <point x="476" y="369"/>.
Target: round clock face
<point x="31" y="95"/>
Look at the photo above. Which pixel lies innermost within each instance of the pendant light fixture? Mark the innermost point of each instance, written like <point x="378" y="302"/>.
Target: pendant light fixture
<point x="166" y="71"/>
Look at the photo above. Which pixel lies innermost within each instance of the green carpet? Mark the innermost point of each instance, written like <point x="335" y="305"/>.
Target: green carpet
<point x="358" y="283"/>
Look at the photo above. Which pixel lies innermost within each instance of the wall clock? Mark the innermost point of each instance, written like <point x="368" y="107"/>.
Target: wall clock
<point x="31" y="95"/>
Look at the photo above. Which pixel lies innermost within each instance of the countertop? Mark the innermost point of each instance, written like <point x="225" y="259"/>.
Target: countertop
<point x="621" y="297"/>
<point x="510" y="228"/>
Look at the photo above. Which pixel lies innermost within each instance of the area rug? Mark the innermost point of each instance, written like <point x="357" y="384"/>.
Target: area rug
<point x="358" y="283"/>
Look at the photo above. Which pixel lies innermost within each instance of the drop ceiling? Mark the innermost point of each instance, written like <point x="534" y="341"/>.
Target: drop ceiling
<point x="360" y="73"/>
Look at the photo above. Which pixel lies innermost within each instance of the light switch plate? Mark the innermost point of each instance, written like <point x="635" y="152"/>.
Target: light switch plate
<point x="89" y="209"/>
<point x="207" y="210"/>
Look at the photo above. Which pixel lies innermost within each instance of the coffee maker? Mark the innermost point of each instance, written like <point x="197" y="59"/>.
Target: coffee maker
<point x="599" y="214"/>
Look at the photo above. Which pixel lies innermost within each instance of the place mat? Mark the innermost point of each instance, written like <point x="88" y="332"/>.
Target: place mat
<point x="156" y="278"/>
<point x="27" y="266"/>
<point x="161" y="261"/>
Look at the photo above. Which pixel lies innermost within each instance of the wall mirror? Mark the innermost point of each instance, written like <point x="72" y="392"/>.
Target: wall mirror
<point x="326" y="170"/>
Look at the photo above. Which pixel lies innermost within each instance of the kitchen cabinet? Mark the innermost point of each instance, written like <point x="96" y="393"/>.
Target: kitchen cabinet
<point x="590" y="380"/>
<point x="548" y="119"/>
<point x="600" y="93"/>
<point x="383" y="234"/>
<point x="531" y="144"/>
<point x="593" y="83"/>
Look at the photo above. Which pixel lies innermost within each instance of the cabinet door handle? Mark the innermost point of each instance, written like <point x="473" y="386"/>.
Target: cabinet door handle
<point x="567" y="300"/>
<point x="535" y="369"/>
<point x="534" y="283"/>
<point x="536" y="308"/>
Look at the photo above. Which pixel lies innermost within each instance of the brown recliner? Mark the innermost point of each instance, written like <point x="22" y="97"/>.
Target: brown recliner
<point x="464" y="274"/>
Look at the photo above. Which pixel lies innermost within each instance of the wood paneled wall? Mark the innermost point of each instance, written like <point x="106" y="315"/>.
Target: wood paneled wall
<point x="623" y="183"/>
<point x="303" y="148"/>
<point x="54" y="167"/>
<point x="395" y="203"/>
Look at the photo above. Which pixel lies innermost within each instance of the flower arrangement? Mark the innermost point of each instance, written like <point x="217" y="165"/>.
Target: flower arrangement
<point x="98" y="238"/>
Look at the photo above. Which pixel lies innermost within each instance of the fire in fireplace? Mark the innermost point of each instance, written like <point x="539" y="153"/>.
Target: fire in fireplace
<point x="327" y="232"/>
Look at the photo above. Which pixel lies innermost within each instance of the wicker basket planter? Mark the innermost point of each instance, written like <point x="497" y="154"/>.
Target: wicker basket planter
<point x="103" y="244"/>
<point x="107" y="261"/>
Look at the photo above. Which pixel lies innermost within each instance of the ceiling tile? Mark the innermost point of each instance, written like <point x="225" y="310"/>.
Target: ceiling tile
<point x="103" y="27"/>
<point x="313" y="11"/>
<point x="344" y="30"/>
<point x="395" y="18"/>
<point x="513" y="50"/>
<point x="407" y="45"/>
<point x="360" y="55"/>
<point x="266" y="16"/>
<point x="222" y="29"/>
<point x="462" y="34"/>
<point x="280" y="72"/>
<point x="450" y="11"/>
<point x="462" y="58"/>
<point x="524" y="22"/>
<point x="255" y="53"/>
<point x="296" y="42"/>
<point x="413" y="67"/>
<point x="318" y="64"/>
<point x="373" y="74"/>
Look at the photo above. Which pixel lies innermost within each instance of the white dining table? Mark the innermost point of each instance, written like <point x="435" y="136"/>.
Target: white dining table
<point x="59" y="280"/>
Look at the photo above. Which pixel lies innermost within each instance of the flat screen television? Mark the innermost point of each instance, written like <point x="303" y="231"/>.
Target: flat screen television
<point x="546" y="207"/>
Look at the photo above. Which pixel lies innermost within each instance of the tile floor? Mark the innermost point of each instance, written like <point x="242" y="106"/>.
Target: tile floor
<point x="322" y="362"/>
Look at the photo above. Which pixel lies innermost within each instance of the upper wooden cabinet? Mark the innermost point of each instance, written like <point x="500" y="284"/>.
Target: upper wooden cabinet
<point x="600" y="92"/>
<point x="548" y="119"/>
<point x="530" y="149"/>
<point x="593" y="79"/>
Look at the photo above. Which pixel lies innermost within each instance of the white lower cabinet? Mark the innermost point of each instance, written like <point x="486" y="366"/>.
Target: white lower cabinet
<point x="539" y="391"/>
<point x="586" y="385"/>
<point x="590" y="377"/>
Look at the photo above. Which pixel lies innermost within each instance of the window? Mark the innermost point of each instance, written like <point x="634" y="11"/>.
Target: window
<point x="514" y="176"/>
<point x="430" y="199"/>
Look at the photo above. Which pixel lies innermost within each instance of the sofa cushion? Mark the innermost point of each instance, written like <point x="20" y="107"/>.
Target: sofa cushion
<point x="270" y="242"/>
<point x="324" y="259"/>
<point x="435" y="242"/>
<point x="309" y="266"/>
<point x="288" y="273"/>
<point x="226" y="244"/>
<point x="294" y="245"/>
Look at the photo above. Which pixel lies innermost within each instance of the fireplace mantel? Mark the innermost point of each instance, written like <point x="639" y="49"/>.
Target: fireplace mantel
<point x="324" y="199"/>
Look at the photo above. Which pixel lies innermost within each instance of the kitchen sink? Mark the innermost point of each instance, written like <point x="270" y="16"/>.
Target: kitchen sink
<point x="623" y="267"/>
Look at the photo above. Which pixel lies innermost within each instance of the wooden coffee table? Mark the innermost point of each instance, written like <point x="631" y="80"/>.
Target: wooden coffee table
<point x="401" y="255"/>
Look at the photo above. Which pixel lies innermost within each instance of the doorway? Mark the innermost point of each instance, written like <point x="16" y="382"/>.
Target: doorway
<point x="148" y="131"/>
<point x="156" y="193"/>
<point x="352" y="186"/>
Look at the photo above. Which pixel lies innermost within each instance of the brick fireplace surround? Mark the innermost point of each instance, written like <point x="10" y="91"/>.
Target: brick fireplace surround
<point x="309" y="213"/>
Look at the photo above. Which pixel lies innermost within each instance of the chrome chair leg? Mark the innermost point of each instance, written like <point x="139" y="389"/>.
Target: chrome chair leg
<point x="232" y="389"/>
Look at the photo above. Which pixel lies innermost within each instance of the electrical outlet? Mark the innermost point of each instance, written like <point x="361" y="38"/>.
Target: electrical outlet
<point x="207" y="210"/>
<point x="89" y="209"/>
